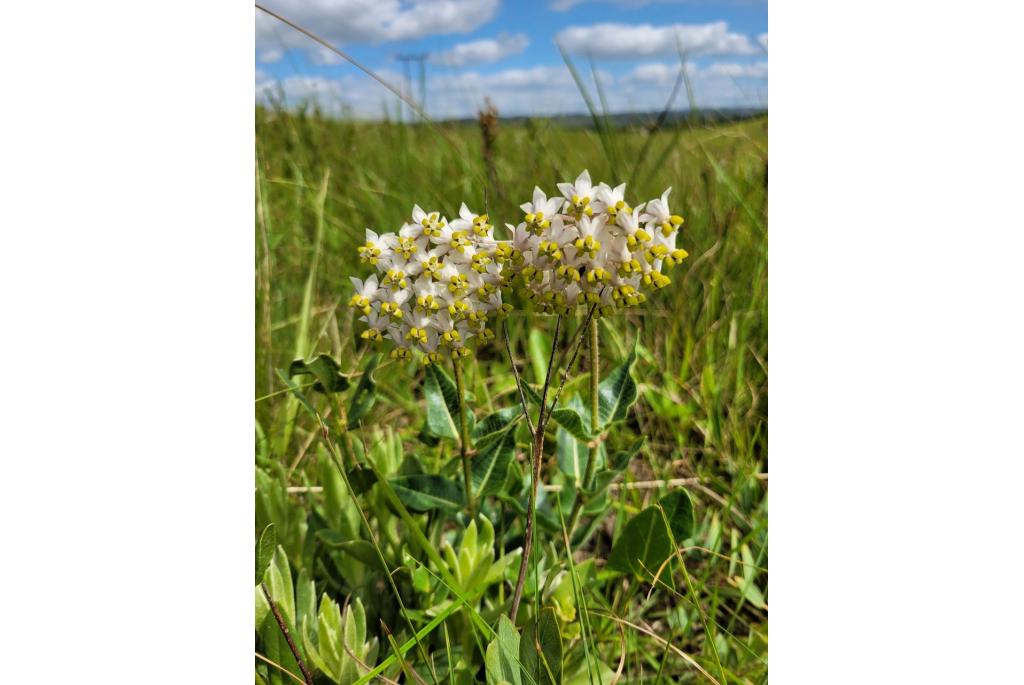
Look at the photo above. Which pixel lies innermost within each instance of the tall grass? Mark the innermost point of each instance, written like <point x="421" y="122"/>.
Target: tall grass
<point x="703" y="340"/>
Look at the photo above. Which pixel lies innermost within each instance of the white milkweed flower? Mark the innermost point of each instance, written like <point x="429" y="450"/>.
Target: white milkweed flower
<point x="580" y="196"/>
<point x="376" y="247"/>
<point x="430" y="223"/>
<point x="596" y="249"/>
<point x="477" y="224"/>
<point x="365" y="295"/>
<point x="439" y="285"/>
<point x="658" y="216"/>
<point x="538" y="214"/>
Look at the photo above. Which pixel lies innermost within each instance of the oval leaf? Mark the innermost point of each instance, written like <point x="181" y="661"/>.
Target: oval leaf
<point x="542" y="666"/>
<point x="442" y="403"/>
<point x="490" y="465"/>
<point x="265" y="547"/>
<point x="426" y="492"/>
<point x="502" y="658"/>
<point x="493" y="424"/>
<point x="644" y="543"/>
<point x="617" y="393"/>
<point x="573" y="418"/>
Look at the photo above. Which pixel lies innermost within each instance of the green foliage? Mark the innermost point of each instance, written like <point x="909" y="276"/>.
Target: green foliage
<point x="645" y="544"/>
<point x="473" y="565"/>
<point x="540" y="649"/>
<point x="491" y="464"/>
<point x="683" y="395"/>
<point x="265" y="547"/>
<point x="617" y="392"/>
<point x="502" y="660"/>
<point x="426" y="492"/>
<point x="573" y="418"/>
<point x="325" y="370"/>
<point x="364" y="395"/>
<point x="492" y="426"/>
<point x="338" y="644"/>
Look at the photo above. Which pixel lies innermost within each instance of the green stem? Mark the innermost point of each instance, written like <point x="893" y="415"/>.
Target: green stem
<point x="464" y="445"/>
<point x="595" y="404"/>
<point x="595" y="420"/>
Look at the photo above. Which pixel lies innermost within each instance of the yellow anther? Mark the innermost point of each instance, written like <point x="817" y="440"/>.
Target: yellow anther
<point x="676" y="219"/>
<point x="676" y="257"/>
<point x="400" y="353"/>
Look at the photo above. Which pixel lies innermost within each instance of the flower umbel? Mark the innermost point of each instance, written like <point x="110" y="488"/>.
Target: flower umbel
<point x="438" y="285"/>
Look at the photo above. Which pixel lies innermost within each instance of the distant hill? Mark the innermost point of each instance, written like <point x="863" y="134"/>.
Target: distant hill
<point x="633" y="119"/>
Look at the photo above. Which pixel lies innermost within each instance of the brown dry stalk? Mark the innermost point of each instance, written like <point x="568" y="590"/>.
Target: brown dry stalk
<point x="287" y="635"/>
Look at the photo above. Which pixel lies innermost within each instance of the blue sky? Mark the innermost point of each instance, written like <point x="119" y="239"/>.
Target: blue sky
<point x="507" y="50"/>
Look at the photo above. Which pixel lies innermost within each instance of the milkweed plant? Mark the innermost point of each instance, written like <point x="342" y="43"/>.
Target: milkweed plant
<point x="435" y="290"/>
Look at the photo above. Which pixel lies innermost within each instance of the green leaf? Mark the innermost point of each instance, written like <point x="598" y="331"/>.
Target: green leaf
<point x="426" y="492"/>
<point x="361" y="479"/>
<point x="540" y="349"/>
<point x="279" y="581"/>
<point x="265" y="547"/>
<point x="541" y="666"/>
<point x="442" y="403"/>
<point x="502" y="659"/>
<point x="571" y="438"/>
<point x="299" y="395"/>
<point x="573" y="417"/>
<point x="572" y="454"/>
<point x="679" y="512"/>
<point x="644" y="544"/>
<point x="327" y="372"/>
<point x="617" y="392"/>
<point x="492" y="425"/>
<point x="490" y="465"/>
<point x="361" y="550"/>
<point x="618" y="463"/>
<point x="364" y="395"/>
<point x="532" y="393"/>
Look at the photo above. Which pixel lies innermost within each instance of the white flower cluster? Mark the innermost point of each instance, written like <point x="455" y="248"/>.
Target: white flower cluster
<point x="591" y="246"/>
<point x="439" y="284"/>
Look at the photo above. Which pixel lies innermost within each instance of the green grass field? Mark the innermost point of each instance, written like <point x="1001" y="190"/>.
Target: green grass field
<point x="701" y="373"/>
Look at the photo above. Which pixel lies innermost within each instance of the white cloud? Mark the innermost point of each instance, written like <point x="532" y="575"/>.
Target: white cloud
<point x="340" y="22"/>
<point x="656" y="73"/>
<point x="755" y="70"/>
<point x="632" y="41"/>
<point x="763" y="40"/>
<point x="566" y="5"/>
<point x="321" y="56"/>
<point x="270" y="56"/>
<point x="482" y="51"/>
<point x="535" y="91"/>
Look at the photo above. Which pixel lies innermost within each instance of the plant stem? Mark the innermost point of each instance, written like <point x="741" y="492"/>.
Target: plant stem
<point x="595" y="405"/>
<point x="537" y="451"/>
<point x="464" y="446"/>
<point x="595" y="419"/>
<point x="287" y="635"/>
<point x="537" y="457"/>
